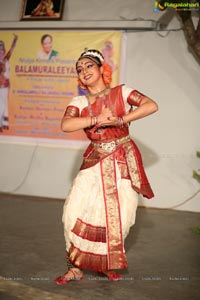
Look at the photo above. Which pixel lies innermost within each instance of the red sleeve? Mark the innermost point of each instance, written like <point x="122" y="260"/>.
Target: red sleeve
<point x="135" y="98"/>
<point x="71" y="112"/>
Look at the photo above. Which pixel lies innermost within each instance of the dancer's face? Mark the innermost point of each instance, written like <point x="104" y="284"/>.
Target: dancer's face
<point x="89" y="72"/>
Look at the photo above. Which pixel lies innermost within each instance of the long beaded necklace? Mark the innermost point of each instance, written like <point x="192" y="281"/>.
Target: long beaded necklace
<point x="102" y="101"/>
<point x="96" y="95"/>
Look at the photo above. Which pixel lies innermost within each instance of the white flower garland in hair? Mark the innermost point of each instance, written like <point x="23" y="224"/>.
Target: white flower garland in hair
<point x="94" y="53"/>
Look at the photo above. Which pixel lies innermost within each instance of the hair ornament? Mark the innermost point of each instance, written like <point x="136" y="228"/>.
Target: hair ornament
<point x="93" y="53"/>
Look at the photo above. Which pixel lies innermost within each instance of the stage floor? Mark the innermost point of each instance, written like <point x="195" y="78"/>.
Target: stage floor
<point x="163" y="254"/>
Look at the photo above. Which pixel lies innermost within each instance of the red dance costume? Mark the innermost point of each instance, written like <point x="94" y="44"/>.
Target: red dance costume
<point x="102" y="203"/>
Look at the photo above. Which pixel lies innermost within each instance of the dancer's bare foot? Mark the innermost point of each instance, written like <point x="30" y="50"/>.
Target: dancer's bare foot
<point x="72" y="274"/>
<point x="112" y="275"/>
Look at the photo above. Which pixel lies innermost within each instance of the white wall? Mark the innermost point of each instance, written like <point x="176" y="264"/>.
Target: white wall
<point x="163" y="69"/>
<point x="89" y="10"/>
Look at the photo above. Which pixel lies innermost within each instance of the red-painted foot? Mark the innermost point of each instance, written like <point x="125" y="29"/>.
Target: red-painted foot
<point x="113" y="276"/>
<point x="64" y="279"/>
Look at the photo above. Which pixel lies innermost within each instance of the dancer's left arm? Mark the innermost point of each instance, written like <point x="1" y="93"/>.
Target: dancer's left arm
<point x="146" y="107"/>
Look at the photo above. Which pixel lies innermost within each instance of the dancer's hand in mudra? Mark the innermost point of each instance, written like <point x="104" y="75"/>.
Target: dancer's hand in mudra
<point x="106" y="118"/>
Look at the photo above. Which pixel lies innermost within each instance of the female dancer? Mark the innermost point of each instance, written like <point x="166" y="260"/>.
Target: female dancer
<point x="101" y="206"/>
<point x="5" y="82"/>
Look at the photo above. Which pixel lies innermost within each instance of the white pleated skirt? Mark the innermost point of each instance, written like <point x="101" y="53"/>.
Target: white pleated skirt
<point x="85" y="202"/>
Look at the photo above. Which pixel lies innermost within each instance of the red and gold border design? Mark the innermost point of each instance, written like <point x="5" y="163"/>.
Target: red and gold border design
<point x="89" y="232"/>
<point x="135" y="98"/>
<point x="116" y="256"/>
<point x="87" y="260"/>
<point x="71" y="112"/>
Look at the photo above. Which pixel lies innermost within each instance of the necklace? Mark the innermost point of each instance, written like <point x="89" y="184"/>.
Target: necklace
<point x="100" y="102"/>
<point x="99" y="93"/>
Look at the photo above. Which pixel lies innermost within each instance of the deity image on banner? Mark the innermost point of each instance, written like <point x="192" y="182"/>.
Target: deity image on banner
<point x="42" y="9"/>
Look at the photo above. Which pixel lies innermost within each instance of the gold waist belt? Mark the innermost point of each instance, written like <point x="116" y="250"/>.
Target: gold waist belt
<point x="110" y="146"/>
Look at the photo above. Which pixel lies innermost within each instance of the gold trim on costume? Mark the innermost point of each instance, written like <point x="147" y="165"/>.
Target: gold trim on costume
<point x="132" y="165"/>
<point x="71" y="111"/>
<point x="135" y="98"/>
<point x="129" y="161"/>
<point x="116" y="255"/>
<point x="87" y="260"/>
<point x="90" y="232"/>
<point x="110" y="146"/>
<point x="123" y="170"/>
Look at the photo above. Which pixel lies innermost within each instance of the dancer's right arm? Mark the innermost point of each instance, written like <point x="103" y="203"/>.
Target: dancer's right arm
<point x="71" y="120"/>
<point x="69" y="124"/>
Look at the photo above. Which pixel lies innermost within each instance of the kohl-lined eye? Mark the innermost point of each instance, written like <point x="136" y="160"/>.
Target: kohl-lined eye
<point x="79" y="71"/>
<point x="89" y="65"/>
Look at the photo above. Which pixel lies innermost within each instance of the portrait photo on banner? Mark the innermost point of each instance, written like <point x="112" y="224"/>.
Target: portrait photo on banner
<point x="33" y="10"/>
